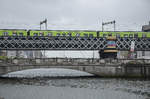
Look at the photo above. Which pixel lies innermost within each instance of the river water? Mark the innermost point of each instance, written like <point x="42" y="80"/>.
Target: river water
<point x="74" y="88"/>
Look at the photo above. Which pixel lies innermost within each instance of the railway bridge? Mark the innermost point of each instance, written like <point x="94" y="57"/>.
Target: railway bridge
<point x="99" y="67"/>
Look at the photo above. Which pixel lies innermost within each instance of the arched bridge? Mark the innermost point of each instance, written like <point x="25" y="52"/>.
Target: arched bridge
<point x="87" y="65"/>
<point x="106" y="68"/>
<point x="69" y="43"/>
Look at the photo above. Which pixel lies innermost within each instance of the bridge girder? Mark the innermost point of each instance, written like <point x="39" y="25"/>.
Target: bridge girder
<point x="70" y="43"/>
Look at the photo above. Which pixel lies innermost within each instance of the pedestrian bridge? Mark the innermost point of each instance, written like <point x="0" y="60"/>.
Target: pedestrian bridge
<point x="70" y="43"/>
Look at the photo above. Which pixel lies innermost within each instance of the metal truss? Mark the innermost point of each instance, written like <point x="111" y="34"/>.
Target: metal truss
<point x="69" y="43"/>
<point x="51" y="43"/>
<point x="141" y="44"/>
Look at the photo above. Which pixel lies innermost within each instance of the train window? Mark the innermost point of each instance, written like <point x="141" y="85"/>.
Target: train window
<point x="104" y="35"/>
<point x="63" y="34"/>
<point x="35" y="34"/>
<point x="125" y="35"/>
<point x="5" y="33"/>
<point x="78" y="34"/>
<point x="20" y="34"/>
<point x="85" y="35"/>
<point x="136" y="35"/>
<point x="143" y="35"/>
<point x="130" y="35"/>
<point x="117" y="35"/>
<point x="41" y="34"/>
<point x="58" y="34"/>
<point x="14" y="34"/>
<point x="90" y="35"/>
<point x="69" y="34"/>
<point x="110" y="34"/>
<point x="49" y="34"/>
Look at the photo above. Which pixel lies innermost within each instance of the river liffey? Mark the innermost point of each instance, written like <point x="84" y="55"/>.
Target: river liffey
<point x="74" y="88"/>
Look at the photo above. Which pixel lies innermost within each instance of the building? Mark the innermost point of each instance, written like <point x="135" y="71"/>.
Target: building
<point x="146" y="28"/>
<point x="16" y="54"/>
<point x="37" y="54"/>
<point x="3" y="52"/>
<point x="24" y="54"/>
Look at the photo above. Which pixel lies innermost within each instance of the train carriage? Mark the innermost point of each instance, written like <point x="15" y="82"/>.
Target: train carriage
<point x="72" y="33"/>
<point x="124" y="34"/>
<point x="57" y="33"/>
<point x="13" y="32"/>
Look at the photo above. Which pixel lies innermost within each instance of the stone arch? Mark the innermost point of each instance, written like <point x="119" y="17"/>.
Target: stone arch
<point x="106" y="71"/>
<point x="51" y="72"/>
<point x="8" y="69"/>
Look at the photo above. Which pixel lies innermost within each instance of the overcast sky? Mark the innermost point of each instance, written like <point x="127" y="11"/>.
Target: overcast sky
<point x="74" y="14"/>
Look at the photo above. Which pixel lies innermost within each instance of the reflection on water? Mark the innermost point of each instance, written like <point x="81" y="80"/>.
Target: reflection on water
<point x="74" y="88"/>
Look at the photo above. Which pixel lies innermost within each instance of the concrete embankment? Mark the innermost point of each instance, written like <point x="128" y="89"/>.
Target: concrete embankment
<point x="100" y="67"/>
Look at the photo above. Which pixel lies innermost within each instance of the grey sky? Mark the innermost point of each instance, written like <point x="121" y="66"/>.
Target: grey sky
<point x="74" y="14"/>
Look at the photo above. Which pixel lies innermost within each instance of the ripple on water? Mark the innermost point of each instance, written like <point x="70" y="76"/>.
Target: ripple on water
<point x="137" y="89"/>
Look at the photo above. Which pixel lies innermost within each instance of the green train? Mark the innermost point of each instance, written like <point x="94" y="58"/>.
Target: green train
<point x="13" y="32"/>
<point x="72" y="33"/>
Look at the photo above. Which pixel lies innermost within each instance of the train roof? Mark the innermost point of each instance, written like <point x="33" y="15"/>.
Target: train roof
<point x="71" y="30"/>
<point x="64" y="30"/>
<point x="14" y="29"/>
<point x="85" y="30"/>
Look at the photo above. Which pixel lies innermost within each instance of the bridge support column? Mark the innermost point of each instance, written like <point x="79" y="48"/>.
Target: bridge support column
<point x="101" y="53"/>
